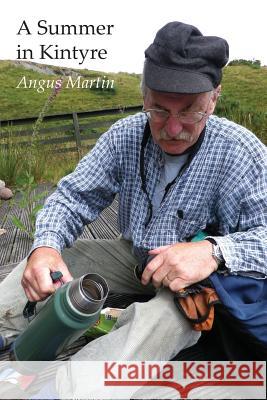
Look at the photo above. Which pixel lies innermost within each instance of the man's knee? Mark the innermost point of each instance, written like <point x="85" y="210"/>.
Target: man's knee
<point x="157" y="313"/>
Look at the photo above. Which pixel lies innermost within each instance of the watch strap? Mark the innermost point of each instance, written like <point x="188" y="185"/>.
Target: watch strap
<point x="217" y="254"/>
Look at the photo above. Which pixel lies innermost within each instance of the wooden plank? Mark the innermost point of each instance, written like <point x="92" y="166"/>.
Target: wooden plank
<point x="104" y="227"/>
<point x="78" y="129"/>
<point x="68" y="139"/>
<point x="57" y="140"/>
<point x="110" y="224"/>
<point x="87" y="234"/>
<point x="61" y="128"/>
<point x="7" y="240"/>
<point x="101" y="230"/>
<point x="98" y="124"/>
<point x="43" y="131"/>
<point x="22" y="243"/>
<point x="15" y="244"/>
<point x="4" y="207"/>
<point x="82" y="114"/>
<point x="115" y="204"/>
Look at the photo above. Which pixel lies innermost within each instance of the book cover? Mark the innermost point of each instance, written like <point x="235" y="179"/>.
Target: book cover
<point x="69" y="70"/>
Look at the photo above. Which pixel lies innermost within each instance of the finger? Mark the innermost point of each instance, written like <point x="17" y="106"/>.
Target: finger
<point x="160" y="249"/>
<point x="28" y="295"/>
<point x="151" y="267"/>
<point x="166" y="282"/>
<point x="34" y="291"/>
<point x="32" y="295"/>
<point x="178" y="284"/>
<point x="58" y="284"/>
<point x="160" y="274"/>
<point x="67" y="277"/>
<point x="43" y="283"/>
<point x="39" y="281"/>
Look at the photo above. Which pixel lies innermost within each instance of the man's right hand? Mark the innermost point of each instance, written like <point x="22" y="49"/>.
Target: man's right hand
<point x="36" y="279"/>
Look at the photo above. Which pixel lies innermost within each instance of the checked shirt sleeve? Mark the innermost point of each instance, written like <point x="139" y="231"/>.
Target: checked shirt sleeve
<point x="79" y="197"/>
<point x="245" y="251"/>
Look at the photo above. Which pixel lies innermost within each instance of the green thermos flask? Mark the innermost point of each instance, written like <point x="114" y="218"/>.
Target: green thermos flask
<point x="68" y="313"/>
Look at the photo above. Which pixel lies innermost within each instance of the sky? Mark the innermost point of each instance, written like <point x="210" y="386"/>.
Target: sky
<point x="242" y="23"/>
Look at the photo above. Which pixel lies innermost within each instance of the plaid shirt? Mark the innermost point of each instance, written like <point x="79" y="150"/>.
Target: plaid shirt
<point x="224" y="186"/>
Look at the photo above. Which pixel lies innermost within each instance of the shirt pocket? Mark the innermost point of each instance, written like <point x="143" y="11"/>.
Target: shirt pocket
<point x="187" y="228"/>
<point x="168" y="228"/>
<point x="191" y="220"/>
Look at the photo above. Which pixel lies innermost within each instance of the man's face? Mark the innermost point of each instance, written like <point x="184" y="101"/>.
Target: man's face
<point x="171" y="135"/>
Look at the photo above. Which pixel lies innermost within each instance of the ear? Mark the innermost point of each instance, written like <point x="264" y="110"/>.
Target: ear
<point x="146" y="97"/>
<point x="214" y="98"/>
<point x="217" y="92"/>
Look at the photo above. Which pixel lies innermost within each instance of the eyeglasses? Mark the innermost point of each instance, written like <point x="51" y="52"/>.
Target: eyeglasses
<point x="186" y="117"/>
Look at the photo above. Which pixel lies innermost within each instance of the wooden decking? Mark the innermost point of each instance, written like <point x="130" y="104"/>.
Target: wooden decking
<point x="15" y="244"/>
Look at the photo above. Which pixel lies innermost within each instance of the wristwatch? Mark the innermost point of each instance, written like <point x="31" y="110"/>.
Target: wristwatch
<point x="216" y="253"/>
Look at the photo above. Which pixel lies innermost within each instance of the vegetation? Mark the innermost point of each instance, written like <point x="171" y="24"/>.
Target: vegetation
<point x="15" y="160"/>
<point x="251" y="63"/>
<point x="27" y="102"/>
<point x="243" y="100"/>
<point x="240" y="83"/>
<point x="247" y="86"/>
<point x="10" y="160"/>
<point x="28" y="201"/>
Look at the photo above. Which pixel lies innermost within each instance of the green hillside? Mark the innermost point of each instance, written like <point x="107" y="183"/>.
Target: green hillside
<point x="247" y="85"/>
<point x="240" y="83"/>
<point x="244" y="95"/>
<point x="244" y="100"/>
<point x="26" y="102"/>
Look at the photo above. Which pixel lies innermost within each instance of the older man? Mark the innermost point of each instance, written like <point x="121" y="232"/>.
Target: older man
<point x="178" y="170"/>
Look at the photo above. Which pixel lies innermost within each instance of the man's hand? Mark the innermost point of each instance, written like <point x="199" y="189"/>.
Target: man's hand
<point x="36" y="279"/>
<point x="180" y="265"/>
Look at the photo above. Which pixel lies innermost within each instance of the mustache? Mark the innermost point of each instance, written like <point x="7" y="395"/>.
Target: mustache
<point x="183" y="135"/>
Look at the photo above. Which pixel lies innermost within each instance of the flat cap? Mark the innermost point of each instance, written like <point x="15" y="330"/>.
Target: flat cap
<point x="182" y="60"/>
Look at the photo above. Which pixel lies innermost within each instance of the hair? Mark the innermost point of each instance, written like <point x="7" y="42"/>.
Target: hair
<point x="143" y="86"/>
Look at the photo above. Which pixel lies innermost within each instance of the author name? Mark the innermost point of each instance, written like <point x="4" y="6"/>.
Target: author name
<point x="79" y="82"/>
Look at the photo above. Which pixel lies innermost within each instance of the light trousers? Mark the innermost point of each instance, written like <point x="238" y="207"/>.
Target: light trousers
<point x="154" y="330"/>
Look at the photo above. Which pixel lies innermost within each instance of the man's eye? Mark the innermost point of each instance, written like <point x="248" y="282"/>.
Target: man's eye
<point x="161" y="112"/>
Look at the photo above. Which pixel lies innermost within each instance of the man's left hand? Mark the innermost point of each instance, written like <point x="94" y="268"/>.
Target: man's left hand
<point x="179" y="265"/>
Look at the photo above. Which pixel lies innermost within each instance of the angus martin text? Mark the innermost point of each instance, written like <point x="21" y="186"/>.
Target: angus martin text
<point x="69" y="82"/>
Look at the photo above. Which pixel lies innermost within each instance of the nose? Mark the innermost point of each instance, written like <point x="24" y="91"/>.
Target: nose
<point x="173" y="126"/>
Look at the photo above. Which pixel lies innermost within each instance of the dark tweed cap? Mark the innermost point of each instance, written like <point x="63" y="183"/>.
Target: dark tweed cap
<point x="182" y="60"/>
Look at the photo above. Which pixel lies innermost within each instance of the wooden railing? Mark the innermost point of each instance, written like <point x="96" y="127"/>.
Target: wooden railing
<point x="63" y="132"/>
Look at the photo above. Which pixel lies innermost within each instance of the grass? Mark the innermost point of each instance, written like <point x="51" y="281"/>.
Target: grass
<point x="10" y="161"/>
<point x="243" y="100"/>
<point x="247" y="86"/>
<point x="255" y="121"/>
<point x="14" y="164"/>
<point x="23" y="102"/>
<point x="240" y="83"/>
